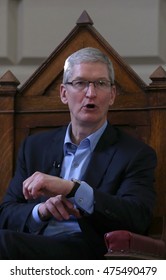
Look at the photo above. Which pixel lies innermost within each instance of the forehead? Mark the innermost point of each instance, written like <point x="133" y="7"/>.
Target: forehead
<point x="88" y="70"/>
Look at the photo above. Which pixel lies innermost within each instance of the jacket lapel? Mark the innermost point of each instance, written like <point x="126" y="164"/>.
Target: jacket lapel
<point x="54" y="153"/>
<point x="101" y="157"/>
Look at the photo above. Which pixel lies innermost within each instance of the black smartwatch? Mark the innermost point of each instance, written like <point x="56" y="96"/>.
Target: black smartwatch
<point x="77" y="184"/>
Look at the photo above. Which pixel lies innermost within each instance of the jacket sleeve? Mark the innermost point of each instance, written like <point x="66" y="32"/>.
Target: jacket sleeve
<point x="14" y="209"/>
<point x="126" y="197"/>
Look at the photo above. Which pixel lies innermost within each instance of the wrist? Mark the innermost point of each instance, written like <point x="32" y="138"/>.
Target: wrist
<point x="76" y="185"/>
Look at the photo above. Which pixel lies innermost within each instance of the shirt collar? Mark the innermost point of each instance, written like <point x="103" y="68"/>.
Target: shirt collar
<point x="90" y="140"/>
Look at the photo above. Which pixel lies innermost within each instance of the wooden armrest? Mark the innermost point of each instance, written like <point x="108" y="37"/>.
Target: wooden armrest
<point x="122" y="244"/>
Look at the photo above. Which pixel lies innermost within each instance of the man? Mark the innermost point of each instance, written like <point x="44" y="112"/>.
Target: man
<point x="76" y="183"/>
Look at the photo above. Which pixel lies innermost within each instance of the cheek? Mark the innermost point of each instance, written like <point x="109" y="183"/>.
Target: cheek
<point x="105" y="102"/>
<point x="74" y="102"/>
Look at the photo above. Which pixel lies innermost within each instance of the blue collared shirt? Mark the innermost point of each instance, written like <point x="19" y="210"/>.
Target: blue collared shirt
<point x="76" y="159"/>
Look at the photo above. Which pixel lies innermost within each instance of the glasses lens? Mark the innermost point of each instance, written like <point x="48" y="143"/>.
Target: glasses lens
<point x="80" y="85"/>
<point x="102" y="84"/>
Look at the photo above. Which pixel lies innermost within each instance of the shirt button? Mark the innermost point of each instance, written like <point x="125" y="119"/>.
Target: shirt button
<point x="75" y="164"/>
<point x="80" y="200"/>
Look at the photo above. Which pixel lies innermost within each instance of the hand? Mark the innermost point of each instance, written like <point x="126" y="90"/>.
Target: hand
<point x="40" y="184"/>
<point x="59" y="207"/>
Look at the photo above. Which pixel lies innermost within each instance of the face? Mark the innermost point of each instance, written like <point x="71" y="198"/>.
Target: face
<point x="88" y="107"/>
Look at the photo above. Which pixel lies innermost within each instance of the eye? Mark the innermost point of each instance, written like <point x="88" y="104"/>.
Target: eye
<point x="101" y="83"/>
<point x="79" y="83"/>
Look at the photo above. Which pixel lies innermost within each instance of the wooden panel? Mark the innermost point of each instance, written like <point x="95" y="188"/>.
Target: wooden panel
<point x="6" y="141"/>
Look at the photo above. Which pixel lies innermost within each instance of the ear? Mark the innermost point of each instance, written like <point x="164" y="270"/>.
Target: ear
<point x="113" y="95"/>
<point x="63" y="94"/>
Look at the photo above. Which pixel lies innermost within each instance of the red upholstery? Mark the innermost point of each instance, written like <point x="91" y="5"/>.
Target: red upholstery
<point x="122" y="243"/>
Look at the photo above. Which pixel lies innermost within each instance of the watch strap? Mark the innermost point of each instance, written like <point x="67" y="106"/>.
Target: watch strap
<point x="77" y="184"/>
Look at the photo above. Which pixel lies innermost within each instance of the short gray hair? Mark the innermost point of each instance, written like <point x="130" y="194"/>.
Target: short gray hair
<point x="86" y="55"/>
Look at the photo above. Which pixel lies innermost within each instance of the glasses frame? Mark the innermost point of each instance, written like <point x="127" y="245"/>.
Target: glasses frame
<point x="87" y="84"/>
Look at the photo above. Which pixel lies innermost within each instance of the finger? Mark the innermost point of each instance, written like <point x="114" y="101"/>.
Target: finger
<point x="26" y="190"/>
<point x="27" y="186"/>
<point x="32" y="187"/>
<point x="56" y="207"/>
<point x="67" y="202"/>
<point x="71" y="209"/>
<point x="74" y="211"/>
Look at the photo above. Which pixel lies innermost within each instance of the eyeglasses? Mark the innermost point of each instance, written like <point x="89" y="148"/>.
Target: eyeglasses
<point x="102" y="85"/>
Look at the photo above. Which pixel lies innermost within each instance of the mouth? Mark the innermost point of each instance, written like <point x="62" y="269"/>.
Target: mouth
<point x="90" y="106"/>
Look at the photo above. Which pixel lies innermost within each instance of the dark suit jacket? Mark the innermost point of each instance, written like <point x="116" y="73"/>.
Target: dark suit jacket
<point x="121" y="172"/>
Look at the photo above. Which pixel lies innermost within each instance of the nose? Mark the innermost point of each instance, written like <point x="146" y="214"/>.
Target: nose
<point x="91" y="90"/>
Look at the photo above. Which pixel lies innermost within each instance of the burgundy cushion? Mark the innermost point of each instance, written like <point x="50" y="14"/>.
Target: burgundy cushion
<point x="123" y="241"/>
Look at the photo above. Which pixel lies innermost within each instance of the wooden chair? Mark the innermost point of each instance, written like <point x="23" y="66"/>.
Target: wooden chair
<point x="139" y="108"/>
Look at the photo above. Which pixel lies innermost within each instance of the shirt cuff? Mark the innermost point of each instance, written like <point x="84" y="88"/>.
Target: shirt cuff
<point x="84" y="198"/>
<point x="35" y="215"/>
